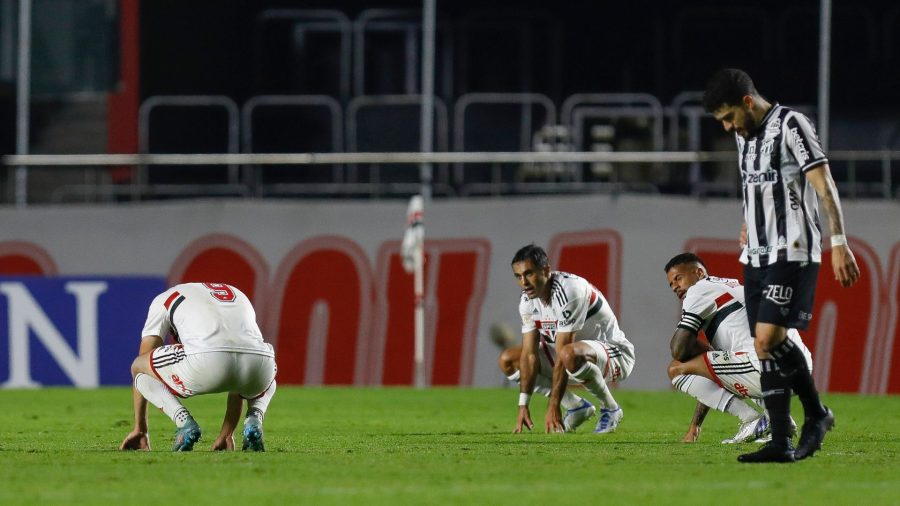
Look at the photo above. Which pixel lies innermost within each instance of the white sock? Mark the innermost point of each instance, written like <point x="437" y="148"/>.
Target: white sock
<point x="741" y="409"/>
<point x="154" y="391"/>
<point x="591" y="377"/>
<point x="543" y="386"/>
<point x="714" y="396"/>
<point x="257" y="407"/>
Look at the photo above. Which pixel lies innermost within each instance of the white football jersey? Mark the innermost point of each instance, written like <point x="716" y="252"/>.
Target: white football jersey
<point x="575" y="306"/>
<point x="206" y="317"/>
<point x="716" y="306"/>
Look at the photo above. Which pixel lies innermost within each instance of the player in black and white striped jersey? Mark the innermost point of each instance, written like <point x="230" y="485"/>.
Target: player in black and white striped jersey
<point x="725" y="369"/>
<point x="218" y="348"/>
<point x="783" y="167"/>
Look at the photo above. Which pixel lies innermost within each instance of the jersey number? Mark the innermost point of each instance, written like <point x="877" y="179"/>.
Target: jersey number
<point x="220" y="291"/>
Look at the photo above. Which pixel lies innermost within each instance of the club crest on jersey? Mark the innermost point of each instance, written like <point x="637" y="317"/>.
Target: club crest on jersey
<point x="774" y="126"/>
<point x="779" y="294"/>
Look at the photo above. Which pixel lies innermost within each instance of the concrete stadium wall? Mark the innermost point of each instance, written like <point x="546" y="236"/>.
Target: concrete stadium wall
<point x="331" y="294"/>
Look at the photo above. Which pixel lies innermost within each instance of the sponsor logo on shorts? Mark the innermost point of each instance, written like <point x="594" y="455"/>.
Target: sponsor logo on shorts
<point x="180" y="384"/>
<point x="803" y="315"/>
<point x="741" y="389"/>
<point x="779" y="294"/>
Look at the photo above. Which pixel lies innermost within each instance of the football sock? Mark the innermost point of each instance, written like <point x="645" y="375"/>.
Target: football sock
<point x="777" y="395"/>
<point x="154" y="391"/>
<point x="737" y="407"/>
<point x="591" y="377"/>
<point x="261" y="403"/>
<point x="794" y="368"/>
<point x="709" y="393"/>
<point x="543" y="386"/>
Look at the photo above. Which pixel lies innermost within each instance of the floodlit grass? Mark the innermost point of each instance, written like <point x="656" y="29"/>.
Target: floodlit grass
<point x="439" y="446"/>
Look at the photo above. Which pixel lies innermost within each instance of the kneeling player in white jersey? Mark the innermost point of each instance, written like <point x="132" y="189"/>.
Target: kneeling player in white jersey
<point x="219" y="349"/>
<point x="568" y="331"/>
<point x="724" y="373"/>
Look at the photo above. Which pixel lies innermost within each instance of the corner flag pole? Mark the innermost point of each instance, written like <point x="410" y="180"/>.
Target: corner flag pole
<point x="413" y="253"/>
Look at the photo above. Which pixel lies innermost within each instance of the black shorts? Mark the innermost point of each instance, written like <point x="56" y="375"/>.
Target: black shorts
<point x="781" y="294"/>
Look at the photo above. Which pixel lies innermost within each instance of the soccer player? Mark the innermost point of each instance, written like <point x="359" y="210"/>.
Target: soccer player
<point x="783" y="167"/>
<point x="219" y="349"/>
<point x="568" y="331"/>
<point x="723" y="371"/>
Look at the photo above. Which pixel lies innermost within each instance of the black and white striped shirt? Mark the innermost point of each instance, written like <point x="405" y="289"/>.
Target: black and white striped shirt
<point x="780" y="206"/>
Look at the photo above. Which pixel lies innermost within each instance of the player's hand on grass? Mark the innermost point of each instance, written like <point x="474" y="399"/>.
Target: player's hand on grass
<point x="553" y="421"/>
<point x="523" y="420"/>
<point x="136" y="440"/>
<point x="224" y="443"/>
<point x="692" y="435"/>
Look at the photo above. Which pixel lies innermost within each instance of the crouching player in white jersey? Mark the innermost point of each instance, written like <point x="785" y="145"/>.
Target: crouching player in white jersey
<point x="219" y="349"/>
<point x="568" y="331"/>
<point x="725" y="373"/>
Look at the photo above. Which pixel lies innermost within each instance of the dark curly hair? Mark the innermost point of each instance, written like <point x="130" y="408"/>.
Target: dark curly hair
<point x="727" y="87"/>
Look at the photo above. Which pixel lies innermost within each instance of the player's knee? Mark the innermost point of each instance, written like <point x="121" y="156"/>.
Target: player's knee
<point x="676" y="368"/>
<point x="569" y="357"/>
<point x="139" y="365"/>
<point x="765" y="343"/>
<point x="508" y="361"/>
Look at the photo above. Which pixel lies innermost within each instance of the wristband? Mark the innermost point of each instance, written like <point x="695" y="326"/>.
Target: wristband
<point x="838" y="240"/>
<point x="524" y="398"/>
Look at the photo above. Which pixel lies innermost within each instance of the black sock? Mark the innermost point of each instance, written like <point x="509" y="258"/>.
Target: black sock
<point x="777" y="395"/>
<point x="793" y="367"/>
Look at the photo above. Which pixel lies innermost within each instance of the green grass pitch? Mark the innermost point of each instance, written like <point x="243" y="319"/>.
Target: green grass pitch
<point x="438" y="446"/>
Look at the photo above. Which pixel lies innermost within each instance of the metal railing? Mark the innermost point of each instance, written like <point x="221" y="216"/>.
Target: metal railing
<point x="673" y="160"/>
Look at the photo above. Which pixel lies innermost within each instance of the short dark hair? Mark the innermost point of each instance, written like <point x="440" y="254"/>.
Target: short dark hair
<point x="684" y="258"/>
<point x="536" y="254"/>
<point x="727" y="87"/>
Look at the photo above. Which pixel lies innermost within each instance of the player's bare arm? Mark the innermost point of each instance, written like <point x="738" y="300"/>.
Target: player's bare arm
<point x="685" y="345"/>
<point x="693" y="432"/>
<point x="528" y="365"/>
<point x="846" y="272"/>
<point x="553" y="420"/>
<point x="233" y="409"/>
<point x="139" y="437"/>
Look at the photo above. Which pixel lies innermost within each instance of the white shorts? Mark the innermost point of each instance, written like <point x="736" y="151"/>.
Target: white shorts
<point x="735" y="371"/>
<point x="616" y="364"/>
<point x="248" y="374"/>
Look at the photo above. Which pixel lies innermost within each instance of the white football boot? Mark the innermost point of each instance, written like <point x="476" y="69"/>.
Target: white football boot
<point x="577" y="416"/>
<point x="609" y="420"/>
<point x="757" y="430"/>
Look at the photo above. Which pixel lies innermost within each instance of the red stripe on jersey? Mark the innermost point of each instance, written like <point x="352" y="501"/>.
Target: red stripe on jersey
<point x="724" y="298"/>
<point x="170" y="299"/>
<point x="593" y="298"/>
